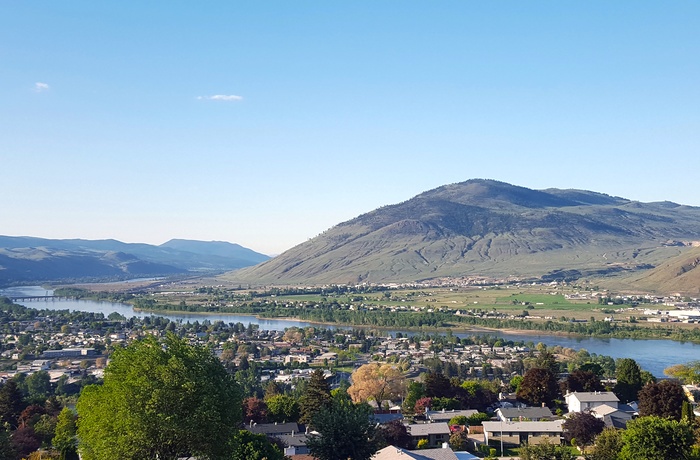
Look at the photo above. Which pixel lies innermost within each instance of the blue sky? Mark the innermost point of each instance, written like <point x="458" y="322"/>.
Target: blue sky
<point x="265" y="123"/>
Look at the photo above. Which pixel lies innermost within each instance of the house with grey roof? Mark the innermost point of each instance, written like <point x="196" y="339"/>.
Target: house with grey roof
<point x="434" y="433"/>
<point x="516" y="433"/>
<point x="588" y="400"/>
<point x="273" y="429"/>
<point x="523" y="414"/>
<point x="396" y="453"/>
<point x="445" y="415"/>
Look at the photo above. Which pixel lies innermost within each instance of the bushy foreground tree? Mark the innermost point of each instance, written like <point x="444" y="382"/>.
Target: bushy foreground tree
<point x="653" y="438"/>
<point x="160" y="400"/>
<point x="346" y="431"/>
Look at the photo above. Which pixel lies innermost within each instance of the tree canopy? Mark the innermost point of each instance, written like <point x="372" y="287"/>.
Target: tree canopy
<point x="160" y="400"/>
<point x="378" y="382"/>
<point x="538" y="386"/>
<point x="346" y="431"/>
<point x="629" y="379"/>
<point x="664" y="399"/>
<point x="654" y="438"/>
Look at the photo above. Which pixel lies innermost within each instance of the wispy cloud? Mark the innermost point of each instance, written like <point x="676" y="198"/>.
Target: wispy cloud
<point x="40" y="87"/>
<point x="222" y="97"/>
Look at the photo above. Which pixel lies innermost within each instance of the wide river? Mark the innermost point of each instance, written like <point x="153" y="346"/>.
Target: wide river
<point x="652" y="355"/>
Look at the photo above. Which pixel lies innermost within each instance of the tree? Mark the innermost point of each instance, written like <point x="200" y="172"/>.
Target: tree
<point x="688" y="373"/>
<point x="629" y="379"/>
<point x="11" y="403"/>
<point x="437" y="385"/>
<point x="25" y="441"/>
<point x="395" y="434"/>
<point x="538" y="386"/>
<point x="64" y="439"/>
<point x="316" y="396"/>
<point x="583" y="427"/>
<point x="164" y="400"/>
<point x="544" y="451"/>
<point x="283" y="408"/>
<point x="378" y="382"/>
<point x="607" y="446"/>
<point x="251" y="446"/>
<point x="664" y="399"/>
<point x="653" y="438"/>
<point x="39" y="386"/>
<point x="459" y="440"/>
<point x="422" y="405"/>
<point x="415" y="391"/>
<point x="346" y="431"/>
<point x="582" y="381"/>
<point x="254" y="410"/>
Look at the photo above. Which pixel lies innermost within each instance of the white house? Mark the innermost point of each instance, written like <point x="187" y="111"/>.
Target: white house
<point x="588" y="400"/>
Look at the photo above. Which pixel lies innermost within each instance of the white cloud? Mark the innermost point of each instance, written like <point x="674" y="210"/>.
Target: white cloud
<point x="222" y="97"/>
<point x="40" y="87"/>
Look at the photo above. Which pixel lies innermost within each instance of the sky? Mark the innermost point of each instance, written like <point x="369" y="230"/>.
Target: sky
<point x="266" y="123"/>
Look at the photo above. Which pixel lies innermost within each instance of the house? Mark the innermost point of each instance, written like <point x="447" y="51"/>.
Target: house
<point x="524" y="414"/>
<point x="295" y="443"/>
<point x="588" y="400"/>
<point x="396" y="453"/>
<point x="615" y="417"/>
<point x="445" y="416"/>
<point x="273" y="429"/>
<point x="434" y="433"/>
<point x="516" y="433"/>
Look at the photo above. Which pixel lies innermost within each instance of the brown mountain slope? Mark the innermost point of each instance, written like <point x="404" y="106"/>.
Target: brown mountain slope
<point x="678" y="274"/>
<point x="484" y="227"/>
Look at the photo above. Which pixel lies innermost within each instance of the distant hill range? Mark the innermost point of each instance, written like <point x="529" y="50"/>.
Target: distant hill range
<point x="24" y="259"/>
<point x="493" y="229"/>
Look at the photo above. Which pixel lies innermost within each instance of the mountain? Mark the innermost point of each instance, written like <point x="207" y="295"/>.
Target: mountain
<point x="678" y="274"/>
<point x="489" y="228"/>
<point x="24" y="259"/>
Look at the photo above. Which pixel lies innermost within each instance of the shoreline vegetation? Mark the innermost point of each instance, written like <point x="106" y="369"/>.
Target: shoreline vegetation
<point x="330" y="313"/>
<point x="437" y="321"/>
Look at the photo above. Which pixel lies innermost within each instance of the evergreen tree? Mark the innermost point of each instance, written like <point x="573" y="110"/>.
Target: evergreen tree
<point x="316" y="396"/>
<point x="11" y="403"/>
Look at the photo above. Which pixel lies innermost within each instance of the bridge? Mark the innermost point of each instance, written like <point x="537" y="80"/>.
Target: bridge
<point x="37" y="297"/>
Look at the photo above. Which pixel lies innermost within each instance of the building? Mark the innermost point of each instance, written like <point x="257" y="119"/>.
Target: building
<point x="445" y="415"/>
<point x="396" y="453"/>
<point x="434" y="433"/>
<point x="524" y="414"/>
<point x="516" y="433"/>
<point x="588" y="400"/>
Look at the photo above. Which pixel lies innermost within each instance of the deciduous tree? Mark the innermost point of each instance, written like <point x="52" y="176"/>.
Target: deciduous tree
<point x="664" y="399"/>
<point x="160" y="400"/>
<point x="64" y="439"/>
<point x="250" y="446"/>
<point x="583" y="427"/>
<point x="654" y="438"/>
<point x="582" y="381"/>
<point x="378" y="382"/>
<point x="688" y="373"/>
<point x="607" y="446"/>
<point x="544" y="451"/>
<point x="346" y="431"/>
<point x="538" y="386"/>
<point x="283" y="408"/>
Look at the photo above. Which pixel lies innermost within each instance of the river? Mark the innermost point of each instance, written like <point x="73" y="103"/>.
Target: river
<point x="652" y="355"/>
